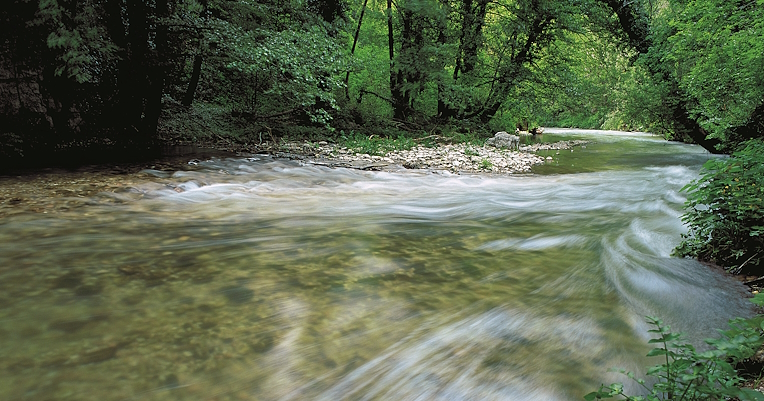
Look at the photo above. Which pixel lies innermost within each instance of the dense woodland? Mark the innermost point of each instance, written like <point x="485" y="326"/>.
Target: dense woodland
<point x="127" y="73"/>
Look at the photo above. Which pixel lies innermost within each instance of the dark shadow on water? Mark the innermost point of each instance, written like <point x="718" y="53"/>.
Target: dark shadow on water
<point x="117" y="160"/>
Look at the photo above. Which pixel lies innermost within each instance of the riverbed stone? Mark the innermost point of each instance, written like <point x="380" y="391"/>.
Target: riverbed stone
<point x="504" y="140"/>
<point x="237" y="294"/>
<point x="452" y="158"/>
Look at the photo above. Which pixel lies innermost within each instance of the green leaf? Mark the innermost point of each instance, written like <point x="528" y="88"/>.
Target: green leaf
<point x="746" y="394"/>
<point x="657" y="352"/>
<point x="758" y="299"/>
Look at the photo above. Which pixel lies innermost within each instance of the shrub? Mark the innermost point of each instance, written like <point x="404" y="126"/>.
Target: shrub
<point x="724" y="211"/>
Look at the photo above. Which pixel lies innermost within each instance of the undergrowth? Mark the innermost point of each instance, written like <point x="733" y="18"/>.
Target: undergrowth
<point x="375" y="146"/>
<point x="725" y="212"/>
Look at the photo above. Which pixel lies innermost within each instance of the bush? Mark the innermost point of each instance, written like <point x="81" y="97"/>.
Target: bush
<point x="724" y="212"/>
<point x="687" y="374"/>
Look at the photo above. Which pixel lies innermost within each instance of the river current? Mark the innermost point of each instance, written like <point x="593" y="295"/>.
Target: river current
<point x="264" y="279"/>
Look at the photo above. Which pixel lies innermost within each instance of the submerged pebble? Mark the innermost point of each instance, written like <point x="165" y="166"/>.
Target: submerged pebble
<point x="237" y="294"/>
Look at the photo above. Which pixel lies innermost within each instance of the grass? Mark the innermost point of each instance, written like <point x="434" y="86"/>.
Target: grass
<point x="375" y="146"/>
<point x="486" y="164"/>
<point x="468" y="138"/>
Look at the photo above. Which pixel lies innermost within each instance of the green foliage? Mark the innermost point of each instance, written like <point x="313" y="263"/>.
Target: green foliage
<point x="583" y="81"/>
<point x="686" y="374"/>
<point x="298" y="69"/>
<point x="110" y="66"/>
<point x="717" y="52"/>
<point x="643" y="108"/>
<point x="375" y="146"/>
<point x="80" y="41"/>
<point x="701" y="61"/>
<point x="470" y="137"/>
<point x="724" y="211"/>
<point x="485" y="164"/>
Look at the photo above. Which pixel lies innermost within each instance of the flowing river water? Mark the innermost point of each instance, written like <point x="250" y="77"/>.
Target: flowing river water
<point x="263" y="279"/>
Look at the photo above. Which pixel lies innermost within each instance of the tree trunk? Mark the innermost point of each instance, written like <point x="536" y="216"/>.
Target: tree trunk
<point x="117" y="112"/>
<point x="391" y="47"/>
<point x="445" y="111"/>
<point x="399" y="102"/>
<point x="471" y="36"/>
<point x="156" y="75"/>
<point x="196" y="73"/>
<point x="136" y="83"/>
<point x="537" y="33"/>
<point x="355" y="42"/>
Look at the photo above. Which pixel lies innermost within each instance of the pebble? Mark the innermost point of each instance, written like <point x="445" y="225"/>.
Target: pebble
<point x="454" y="158"/>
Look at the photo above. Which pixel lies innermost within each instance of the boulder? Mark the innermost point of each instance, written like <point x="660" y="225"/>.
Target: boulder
<point x="504" y="140"/>
<point x="521" y="133"/>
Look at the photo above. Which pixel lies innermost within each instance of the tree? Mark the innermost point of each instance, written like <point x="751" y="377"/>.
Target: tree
<point x="717" y="52"/>
<point x="705" y="54"/>
<point x="489" y="58"/>
<point x="415" y="63"/>
<point x="196" y="69"/>
<point x="98" y="68"/>
<point x="285" y="64"/>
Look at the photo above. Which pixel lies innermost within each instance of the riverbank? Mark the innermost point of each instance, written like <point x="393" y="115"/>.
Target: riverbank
<point x="455" y="158"/>
<point x="60" y="189"/>
<point x="434" y="152"/>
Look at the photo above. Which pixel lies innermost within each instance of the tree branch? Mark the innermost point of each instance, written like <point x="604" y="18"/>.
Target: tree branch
<point x="364" y="91"/>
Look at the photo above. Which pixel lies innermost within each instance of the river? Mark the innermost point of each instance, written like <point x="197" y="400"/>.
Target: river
<point x="263" y="279"/>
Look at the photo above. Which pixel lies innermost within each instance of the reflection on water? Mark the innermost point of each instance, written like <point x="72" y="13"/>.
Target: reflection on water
<point x="259" y="279"/>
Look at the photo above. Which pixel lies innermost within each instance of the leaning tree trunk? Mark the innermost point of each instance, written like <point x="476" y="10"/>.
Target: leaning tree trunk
<point x="538" y="32"/>
<point x="196" y="72"/>
<point x="355" y="42"/>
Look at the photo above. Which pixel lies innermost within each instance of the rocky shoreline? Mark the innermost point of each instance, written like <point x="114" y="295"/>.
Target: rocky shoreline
<point x="59" y="190"/>
<point x="454" y="158"/>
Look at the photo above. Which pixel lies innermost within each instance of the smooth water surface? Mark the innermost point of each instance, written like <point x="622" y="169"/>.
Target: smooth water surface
<point x="260" y="279"/>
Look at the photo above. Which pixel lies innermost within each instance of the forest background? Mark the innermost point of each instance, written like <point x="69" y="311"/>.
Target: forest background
<point x="129" y="74"/>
